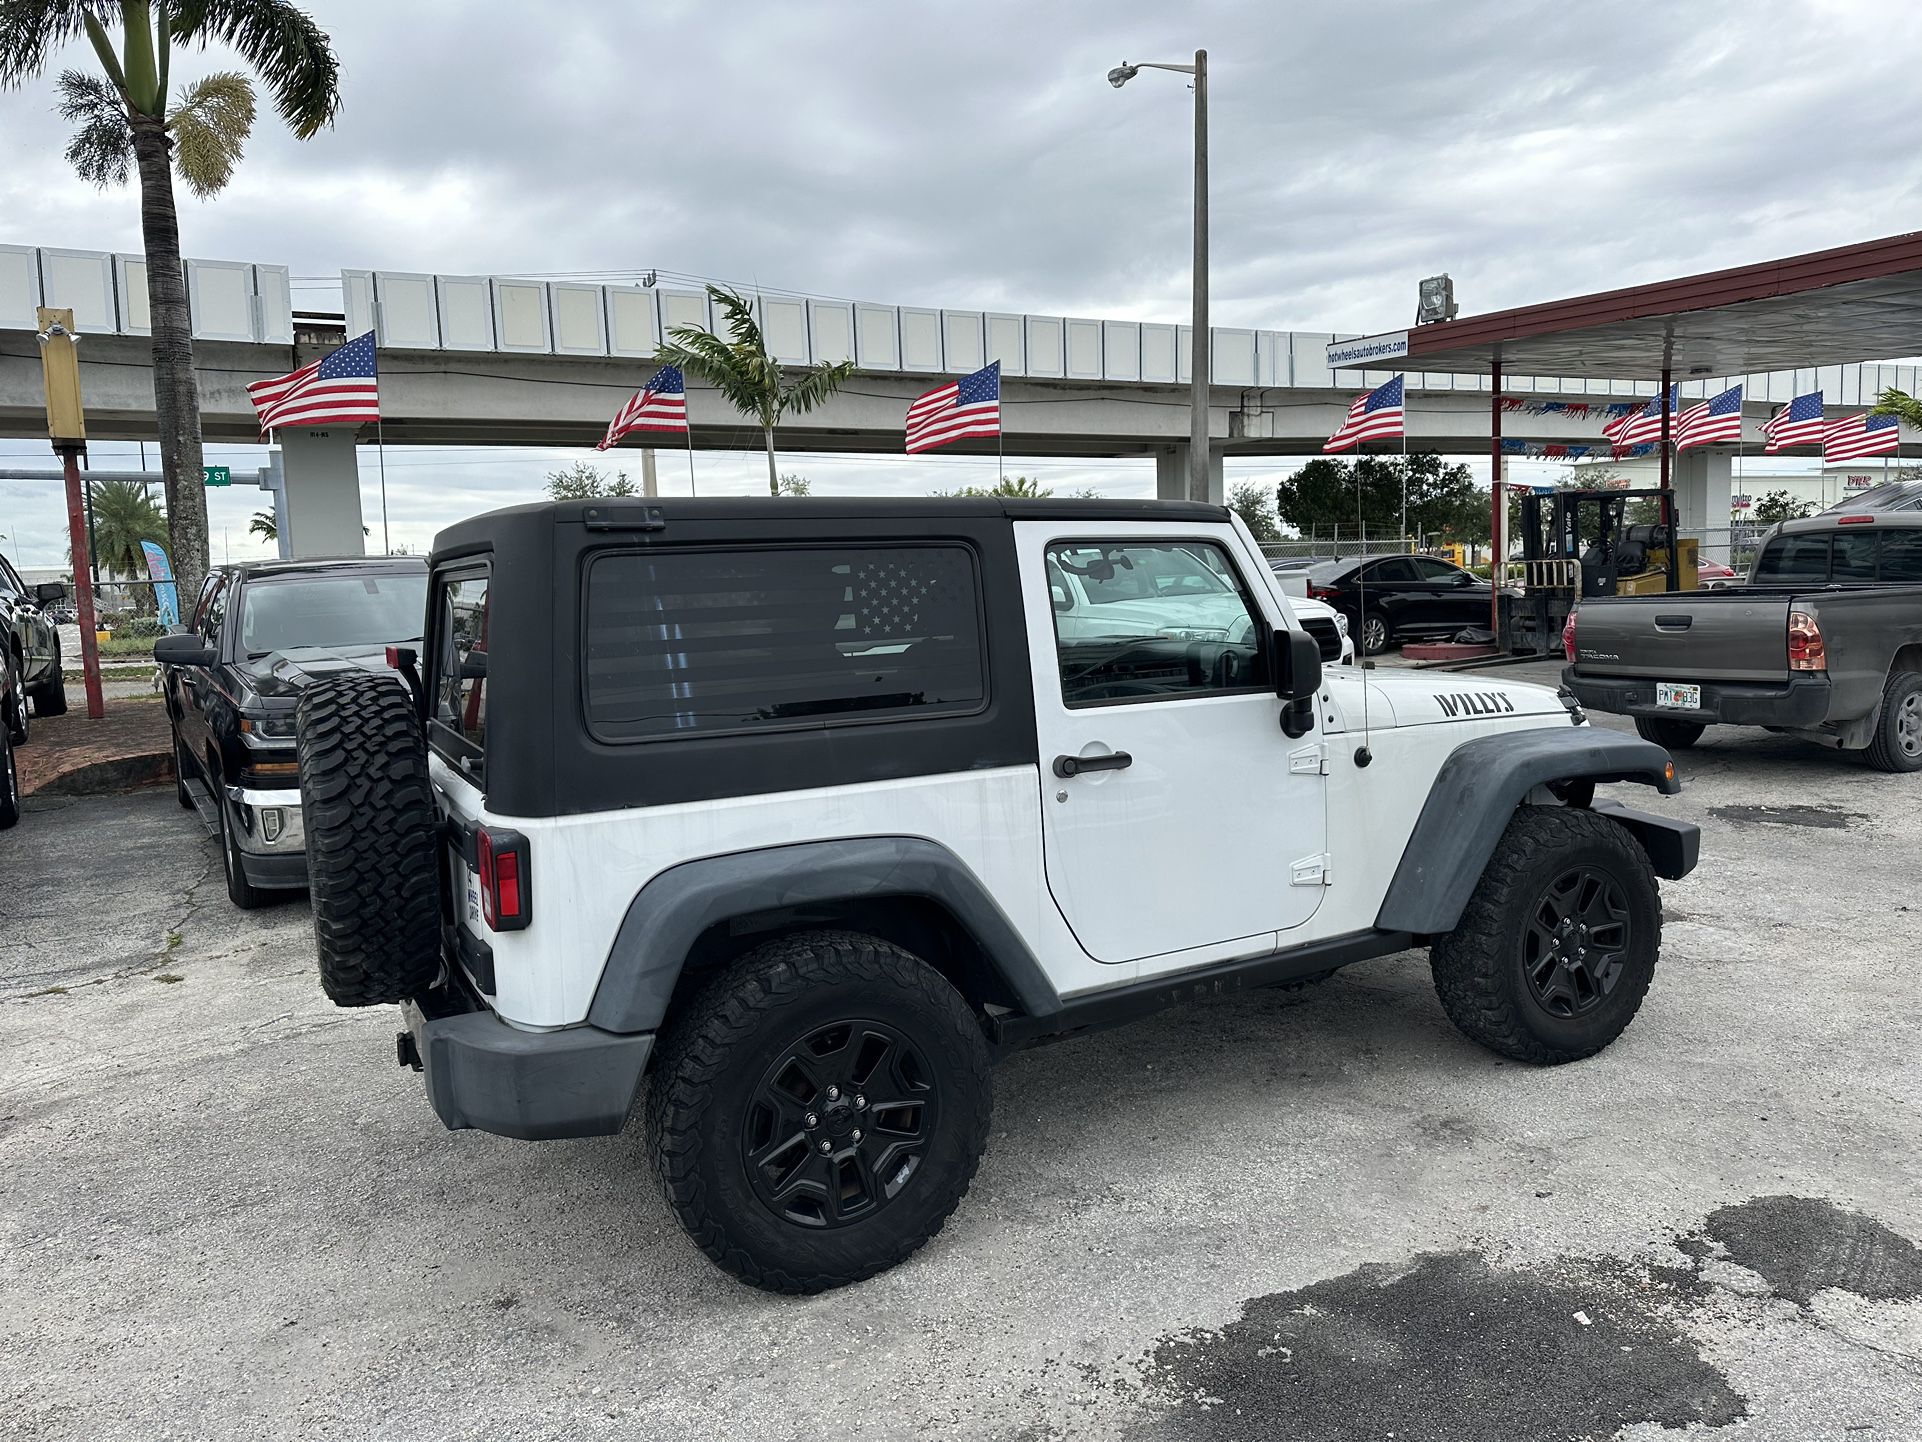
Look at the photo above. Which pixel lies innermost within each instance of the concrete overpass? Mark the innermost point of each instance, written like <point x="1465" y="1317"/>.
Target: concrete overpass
<point x="509" y="361"/>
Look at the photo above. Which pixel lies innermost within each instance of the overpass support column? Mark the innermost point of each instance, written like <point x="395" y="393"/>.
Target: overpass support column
<point x="320" y="492"/>
<point x="1704" y="493"/>
<point x="1171" y="475"/>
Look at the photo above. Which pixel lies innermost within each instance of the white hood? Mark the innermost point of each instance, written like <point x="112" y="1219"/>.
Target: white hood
<point x="1427" y="698"/>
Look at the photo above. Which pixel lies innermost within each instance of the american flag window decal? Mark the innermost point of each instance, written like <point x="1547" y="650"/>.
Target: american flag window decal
<point x="704" y="641"/>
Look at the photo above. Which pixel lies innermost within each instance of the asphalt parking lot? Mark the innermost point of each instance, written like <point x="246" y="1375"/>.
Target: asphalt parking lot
<point x="1322" y="1214"/>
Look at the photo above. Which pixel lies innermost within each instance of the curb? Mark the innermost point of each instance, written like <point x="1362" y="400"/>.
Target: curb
<point x="108" y="778"/>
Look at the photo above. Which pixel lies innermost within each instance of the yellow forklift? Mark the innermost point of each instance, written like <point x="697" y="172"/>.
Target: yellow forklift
<point x="1577" y="544"/>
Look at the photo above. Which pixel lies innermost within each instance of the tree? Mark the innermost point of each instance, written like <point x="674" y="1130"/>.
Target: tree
<point x="1442" y="498"/>
<point x="1900" y="404"/>
<point x="1016" y="488"/>
<point x="127" y="127"/>
<point x="264" y="525"/>
<point x="1251" y="501"/>
<point x="793" y="486"/>
<point x="740" y="368"/>
<point x="1781" y="506"/>
<point x="584" y="482"/>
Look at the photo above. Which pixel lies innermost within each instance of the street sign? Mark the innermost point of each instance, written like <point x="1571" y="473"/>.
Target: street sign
<point x="217" y="475"/>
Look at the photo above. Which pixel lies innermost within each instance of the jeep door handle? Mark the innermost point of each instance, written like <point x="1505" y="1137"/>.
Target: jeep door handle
<point x="1066" y="766"/>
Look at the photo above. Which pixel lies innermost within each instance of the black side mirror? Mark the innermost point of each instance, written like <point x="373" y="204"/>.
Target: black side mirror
<point x="50" y="593"/>
<point x="183" y="649"/>
<point x="1464" y="578"/>
<point x="1297" y="666"/>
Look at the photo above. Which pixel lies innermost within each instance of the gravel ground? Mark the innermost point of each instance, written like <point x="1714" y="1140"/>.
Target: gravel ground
<point x="224" y="1212"/>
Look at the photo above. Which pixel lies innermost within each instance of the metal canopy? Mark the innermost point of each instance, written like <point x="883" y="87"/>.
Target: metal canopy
<point x="1830" y="307"/>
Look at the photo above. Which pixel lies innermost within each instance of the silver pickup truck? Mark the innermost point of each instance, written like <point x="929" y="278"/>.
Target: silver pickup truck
<point x="1823" y="642"/>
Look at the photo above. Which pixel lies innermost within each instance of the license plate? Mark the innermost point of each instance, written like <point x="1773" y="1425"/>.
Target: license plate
<point x="1678" y="695"/>
<point x="467" y="892"/>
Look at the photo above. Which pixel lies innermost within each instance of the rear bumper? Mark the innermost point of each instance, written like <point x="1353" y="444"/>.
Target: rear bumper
<point x="537" y="1086"/>
<point x="1799" y="705"/>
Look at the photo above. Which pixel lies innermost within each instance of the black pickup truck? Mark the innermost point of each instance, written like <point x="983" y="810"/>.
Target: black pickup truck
<point x="1823" y="642"/>
<point x="260" y="635"/>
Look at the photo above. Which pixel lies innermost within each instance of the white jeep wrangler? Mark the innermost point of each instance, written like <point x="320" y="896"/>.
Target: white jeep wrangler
<point x="804" y="810"/>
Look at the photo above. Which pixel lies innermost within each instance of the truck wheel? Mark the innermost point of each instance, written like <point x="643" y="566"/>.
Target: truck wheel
<point x="373" y="868"/>
<point x="240" y="891"/>
<point x="1557" y="946"/>
<point x="1897" y="743"/>
<point x="819" y="1110"/>
<point x="1670" y="735"/>
<point x="9" y="783"/>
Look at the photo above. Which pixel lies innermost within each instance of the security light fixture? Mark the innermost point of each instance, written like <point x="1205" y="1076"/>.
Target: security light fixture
<point x="1122" y="74"/>
<point x="1436" y="301"/>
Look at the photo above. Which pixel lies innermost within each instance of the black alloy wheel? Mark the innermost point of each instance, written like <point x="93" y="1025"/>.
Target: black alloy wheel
<point x="1576" y="943"/>
<point x="839" y="1124"/>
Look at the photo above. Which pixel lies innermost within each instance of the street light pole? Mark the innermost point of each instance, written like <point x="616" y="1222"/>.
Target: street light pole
<point x="1198" y="446"/>
<point x="1202" y="355"/>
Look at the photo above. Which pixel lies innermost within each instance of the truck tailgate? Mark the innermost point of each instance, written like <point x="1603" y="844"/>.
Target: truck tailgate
<point x="1733" y="635"/>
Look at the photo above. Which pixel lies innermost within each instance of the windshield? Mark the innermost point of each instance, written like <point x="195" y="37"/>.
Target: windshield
<point x="1141" y="573"/>
<point x="338" y="611"/>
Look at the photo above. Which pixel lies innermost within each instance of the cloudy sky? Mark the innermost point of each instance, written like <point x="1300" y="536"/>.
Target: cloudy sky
<point x="976" y="157"/>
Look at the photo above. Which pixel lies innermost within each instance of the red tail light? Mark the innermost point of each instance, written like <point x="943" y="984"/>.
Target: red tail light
<point x="1806" y="649"/>
<point x="1855" y="520"/>
<point x="501" y="859"/>
<point x="1568" y="636"/>
<point x="1321" y="593"/>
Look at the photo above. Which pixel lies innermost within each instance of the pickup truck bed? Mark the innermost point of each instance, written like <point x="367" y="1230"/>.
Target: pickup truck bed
<point x="1735" y="646"/>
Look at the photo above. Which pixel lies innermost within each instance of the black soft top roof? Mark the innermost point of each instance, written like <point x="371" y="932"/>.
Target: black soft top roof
<point x="754" y="512"/>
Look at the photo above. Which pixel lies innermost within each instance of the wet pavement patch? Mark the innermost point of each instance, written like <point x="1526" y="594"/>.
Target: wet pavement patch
<point x="1446" y="1348"/>
<point x="1801" y="1246"/>
<point x="1823" y="818"/>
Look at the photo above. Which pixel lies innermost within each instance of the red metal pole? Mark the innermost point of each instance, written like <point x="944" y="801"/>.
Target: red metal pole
<point x="83" y="582"/>
<point x="1665" y="410"/>
<point x="1497" y="510"/>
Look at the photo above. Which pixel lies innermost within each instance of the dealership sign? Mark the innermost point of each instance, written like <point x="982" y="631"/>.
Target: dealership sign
<point x="1857" y="483"/>
<point x="1366" y="350"/>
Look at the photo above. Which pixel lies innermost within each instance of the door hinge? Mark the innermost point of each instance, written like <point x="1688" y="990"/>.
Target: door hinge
<point x="1312" y="871"/>
<point x="1309" y="760"/>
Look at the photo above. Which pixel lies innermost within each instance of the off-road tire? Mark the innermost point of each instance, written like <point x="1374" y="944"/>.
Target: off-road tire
<point x="373" y="868"/>
<point x="51" y="698"/>
<point x="1669" y="734"/>
<point x="9" y="783"/>
<point x="1478" y="967"/>
<point x="1888" y="748"/>
<point x="708" y="1068"/>
<point x="240" y="891"/>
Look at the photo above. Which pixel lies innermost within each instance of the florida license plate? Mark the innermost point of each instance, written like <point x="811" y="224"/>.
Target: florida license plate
<point x="1676" y="694"/>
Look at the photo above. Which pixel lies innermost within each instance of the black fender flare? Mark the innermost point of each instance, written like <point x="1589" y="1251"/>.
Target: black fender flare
<point x="671" y="911"/>
<point x="1476" y="792"/>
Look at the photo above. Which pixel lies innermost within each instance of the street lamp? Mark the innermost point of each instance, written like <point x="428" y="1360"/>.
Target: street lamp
<point x="1198" y="396"/>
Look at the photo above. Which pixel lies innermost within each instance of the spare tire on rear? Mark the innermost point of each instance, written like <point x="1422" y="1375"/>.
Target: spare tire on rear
<point x="371" y="823"/>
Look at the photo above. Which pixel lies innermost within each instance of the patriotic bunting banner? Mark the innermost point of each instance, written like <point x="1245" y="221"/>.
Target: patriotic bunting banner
<point x="1554" y="451"/>
<point x="1574" y="410"/>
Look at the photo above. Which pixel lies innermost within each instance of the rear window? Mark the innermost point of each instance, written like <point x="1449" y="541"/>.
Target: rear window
<point x="703" y="642"/>
<point x="1798" y="560"/>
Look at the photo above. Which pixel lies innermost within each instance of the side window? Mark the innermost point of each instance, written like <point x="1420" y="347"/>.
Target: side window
<point x="1902" y="556"/>
<point x="460" y="665"/>
<point x="1165" y="620"/>
<point x="1392" y="572"/>
<point x="1430" y="569"/>
<point x="213" y="610"/>
<point x="686" y="642"/>
<point x="1852" y="556"/>
<point x="10" y="583"/>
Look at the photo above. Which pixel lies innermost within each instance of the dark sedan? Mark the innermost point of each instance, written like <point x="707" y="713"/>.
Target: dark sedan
<point x="1391" y="599"/>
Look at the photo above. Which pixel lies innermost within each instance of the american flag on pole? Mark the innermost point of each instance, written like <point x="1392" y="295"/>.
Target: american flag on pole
<point x="970" y="406"/>
<point x="1799" y="423"/>
<point x="339" y="389"/>
<point x="1854" y="437"/>
<point x="1373" y="416"/>
<point x="1639" y="427"/>
<point x="1716" y="419"/>
<point x="662" y="406"/>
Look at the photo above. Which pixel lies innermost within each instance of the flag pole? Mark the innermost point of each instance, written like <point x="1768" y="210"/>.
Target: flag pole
<point x="1404" y="465"/>
<point x="692" y="490"/>
<point x="380" y="450"/>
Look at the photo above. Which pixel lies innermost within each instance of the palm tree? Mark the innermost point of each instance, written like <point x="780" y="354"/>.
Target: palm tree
<point x="1907" y="409"/>
<point x="741" y="369"/>
<point x="263" y="524"/>
<point x="126" y="126"/>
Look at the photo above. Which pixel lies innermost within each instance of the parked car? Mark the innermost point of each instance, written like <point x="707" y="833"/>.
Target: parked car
<point x="1824" y="642"/>
<point x="259" y="635"/>
<point x="32" y="640"/>
<point x="13" y="728"/>
<point x="815" y="807"/>
<point x="1714" y="576"/>
<point x="1391" y="599"/>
